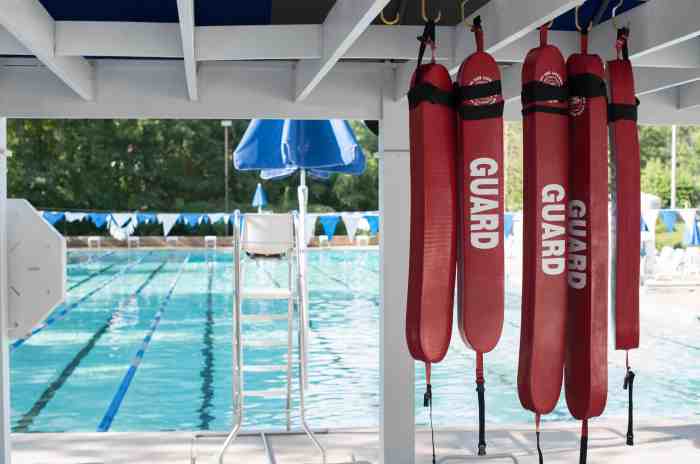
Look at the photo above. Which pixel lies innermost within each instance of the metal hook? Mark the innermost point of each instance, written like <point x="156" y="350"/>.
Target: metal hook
<point x="464" y="18"/>
<point x="393" y="21"/>
<point x="614" y="14"/>
<point x="578" y="25"/>
<point x="424" y="13"/>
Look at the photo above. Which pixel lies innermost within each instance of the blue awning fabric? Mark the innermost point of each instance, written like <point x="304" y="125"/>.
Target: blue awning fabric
<point x="146" y="218"/>
<point x="329" y="224"/>
<point x="373" y="221"/>
<point x="692" y="237"/>
<point x="53" y="218"/>
<point x="99" y="219"/>
<point x="508" y="224"/>
<point x="669" y="218"/>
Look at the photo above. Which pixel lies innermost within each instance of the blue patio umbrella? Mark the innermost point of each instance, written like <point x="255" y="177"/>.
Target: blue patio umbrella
<point x="260" y="198"/>
<point x="279" y="148"/>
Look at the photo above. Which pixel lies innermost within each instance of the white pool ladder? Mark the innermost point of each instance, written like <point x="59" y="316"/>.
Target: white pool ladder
<point x="294" y="292"/>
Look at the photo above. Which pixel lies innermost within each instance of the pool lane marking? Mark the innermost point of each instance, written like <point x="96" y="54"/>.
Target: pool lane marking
<point x="205" y="416"/>
<point x="61" y="314"/>
<point x="27" y="418"/>
<point x="116" y="402"/>
<point x="92" y="276"/>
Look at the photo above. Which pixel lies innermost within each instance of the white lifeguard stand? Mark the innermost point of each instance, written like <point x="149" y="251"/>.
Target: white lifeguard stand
<point x="267" y="236"/>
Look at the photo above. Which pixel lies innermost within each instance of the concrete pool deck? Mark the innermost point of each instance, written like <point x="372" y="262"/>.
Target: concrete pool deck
<point x="656" y="442"/>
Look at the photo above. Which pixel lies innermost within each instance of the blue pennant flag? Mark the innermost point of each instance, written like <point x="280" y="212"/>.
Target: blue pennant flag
<point x="329" y="224"/>
<point x="669" y="218"/>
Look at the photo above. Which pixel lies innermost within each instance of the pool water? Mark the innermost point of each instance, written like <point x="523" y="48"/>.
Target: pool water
<point x="143" y="343"/>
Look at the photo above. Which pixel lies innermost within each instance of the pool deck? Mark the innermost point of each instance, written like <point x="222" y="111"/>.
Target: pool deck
<point x="655" y="443"/>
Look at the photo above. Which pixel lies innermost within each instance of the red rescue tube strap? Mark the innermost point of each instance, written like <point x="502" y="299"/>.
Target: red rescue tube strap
<point x="545" y="188"/>
<point x="586" y="359"/>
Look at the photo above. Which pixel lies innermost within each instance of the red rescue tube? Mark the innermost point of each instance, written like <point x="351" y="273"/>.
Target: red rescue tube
<point x="586" y="367"/>
<point x="433" y="251"/>
<point x="481" y="273"/>
<point x="624" y="147"/>
<point x="546" y="172"/>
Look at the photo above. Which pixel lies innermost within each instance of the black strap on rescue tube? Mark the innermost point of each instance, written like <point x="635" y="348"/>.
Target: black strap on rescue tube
<point x="584" y="442"/>
<point x="427" y="92"/>
<point x="629" y="383"/>
<point x="536" y="91"/>
<point x="473" y="92"/>
<point x="587" y="86"/>
<point x="618" y="111"/>
<point x="482" y="402"/>
<point x="537" y="434"/>
<point x="546" y="109"/>
<point x="470" y="112"/>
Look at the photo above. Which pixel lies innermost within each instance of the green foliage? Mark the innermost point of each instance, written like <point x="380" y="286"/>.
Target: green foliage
<point x="159" y="165"/>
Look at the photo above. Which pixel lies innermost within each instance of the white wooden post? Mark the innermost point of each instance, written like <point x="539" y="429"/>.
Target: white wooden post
<point x="397" y="417"/>
<point x="4" y="341"/>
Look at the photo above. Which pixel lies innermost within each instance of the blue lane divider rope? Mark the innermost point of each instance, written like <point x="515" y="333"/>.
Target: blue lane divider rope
<point x="27" y="418"/>
<point x="116" y="402"/>
<point x="62" y="313"/>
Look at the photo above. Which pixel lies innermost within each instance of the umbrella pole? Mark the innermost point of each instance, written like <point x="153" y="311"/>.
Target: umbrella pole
<point x="303" y="312"/>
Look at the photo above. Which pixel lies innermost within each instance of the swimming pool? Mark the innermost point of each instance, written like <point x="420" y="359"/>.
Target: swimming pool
<point x="74" y="373"/>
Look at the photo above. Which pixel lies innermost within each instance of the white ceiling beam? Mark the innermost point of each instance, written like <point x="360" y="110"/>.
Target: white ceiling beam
<point x="344" y="24"/>
<point x="689" y="96"/>
<point x="655" y="26"/>
<point x="157" y="89"/>
<point x="241" y="43"/>
<point x="226" y="43"/>
<point x="504" y="21"/>
<point x="33" y="27"/>
<point x="118" y="39"/>
<point x="185" y="11"/>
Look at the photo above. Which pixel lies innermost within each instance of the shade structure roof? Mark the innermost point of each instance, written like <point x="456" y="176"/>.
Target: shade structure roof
<point x="265" y="12"/>
<point x="311" y="59"/>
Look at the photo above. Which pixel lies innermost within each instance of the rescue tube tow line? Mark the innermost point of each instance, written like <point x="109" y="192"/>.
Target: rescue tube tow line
<point x="586" y="374"/>
<point x="624" y="140"/>
<point x="481" y="273"/>
<point x="433" y="230"/>
<point x="546" y="153"/>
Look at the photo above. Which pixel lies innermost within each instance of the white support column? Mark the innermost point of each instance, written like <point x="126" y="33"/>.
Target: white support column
<point x="674" y="138"/>
<point x="4" y="341"/>
<point x="397" y="416"/>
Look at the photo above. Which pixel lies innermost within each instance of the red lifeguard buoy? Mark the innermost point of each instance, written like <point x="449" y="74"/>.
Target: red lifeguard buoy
<point x="433" y="250"/>
<point x="546" y="152"/>
<point x="481" y="268"/>
<point x="624" y="147"/>
<point x="586" y="371"/>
